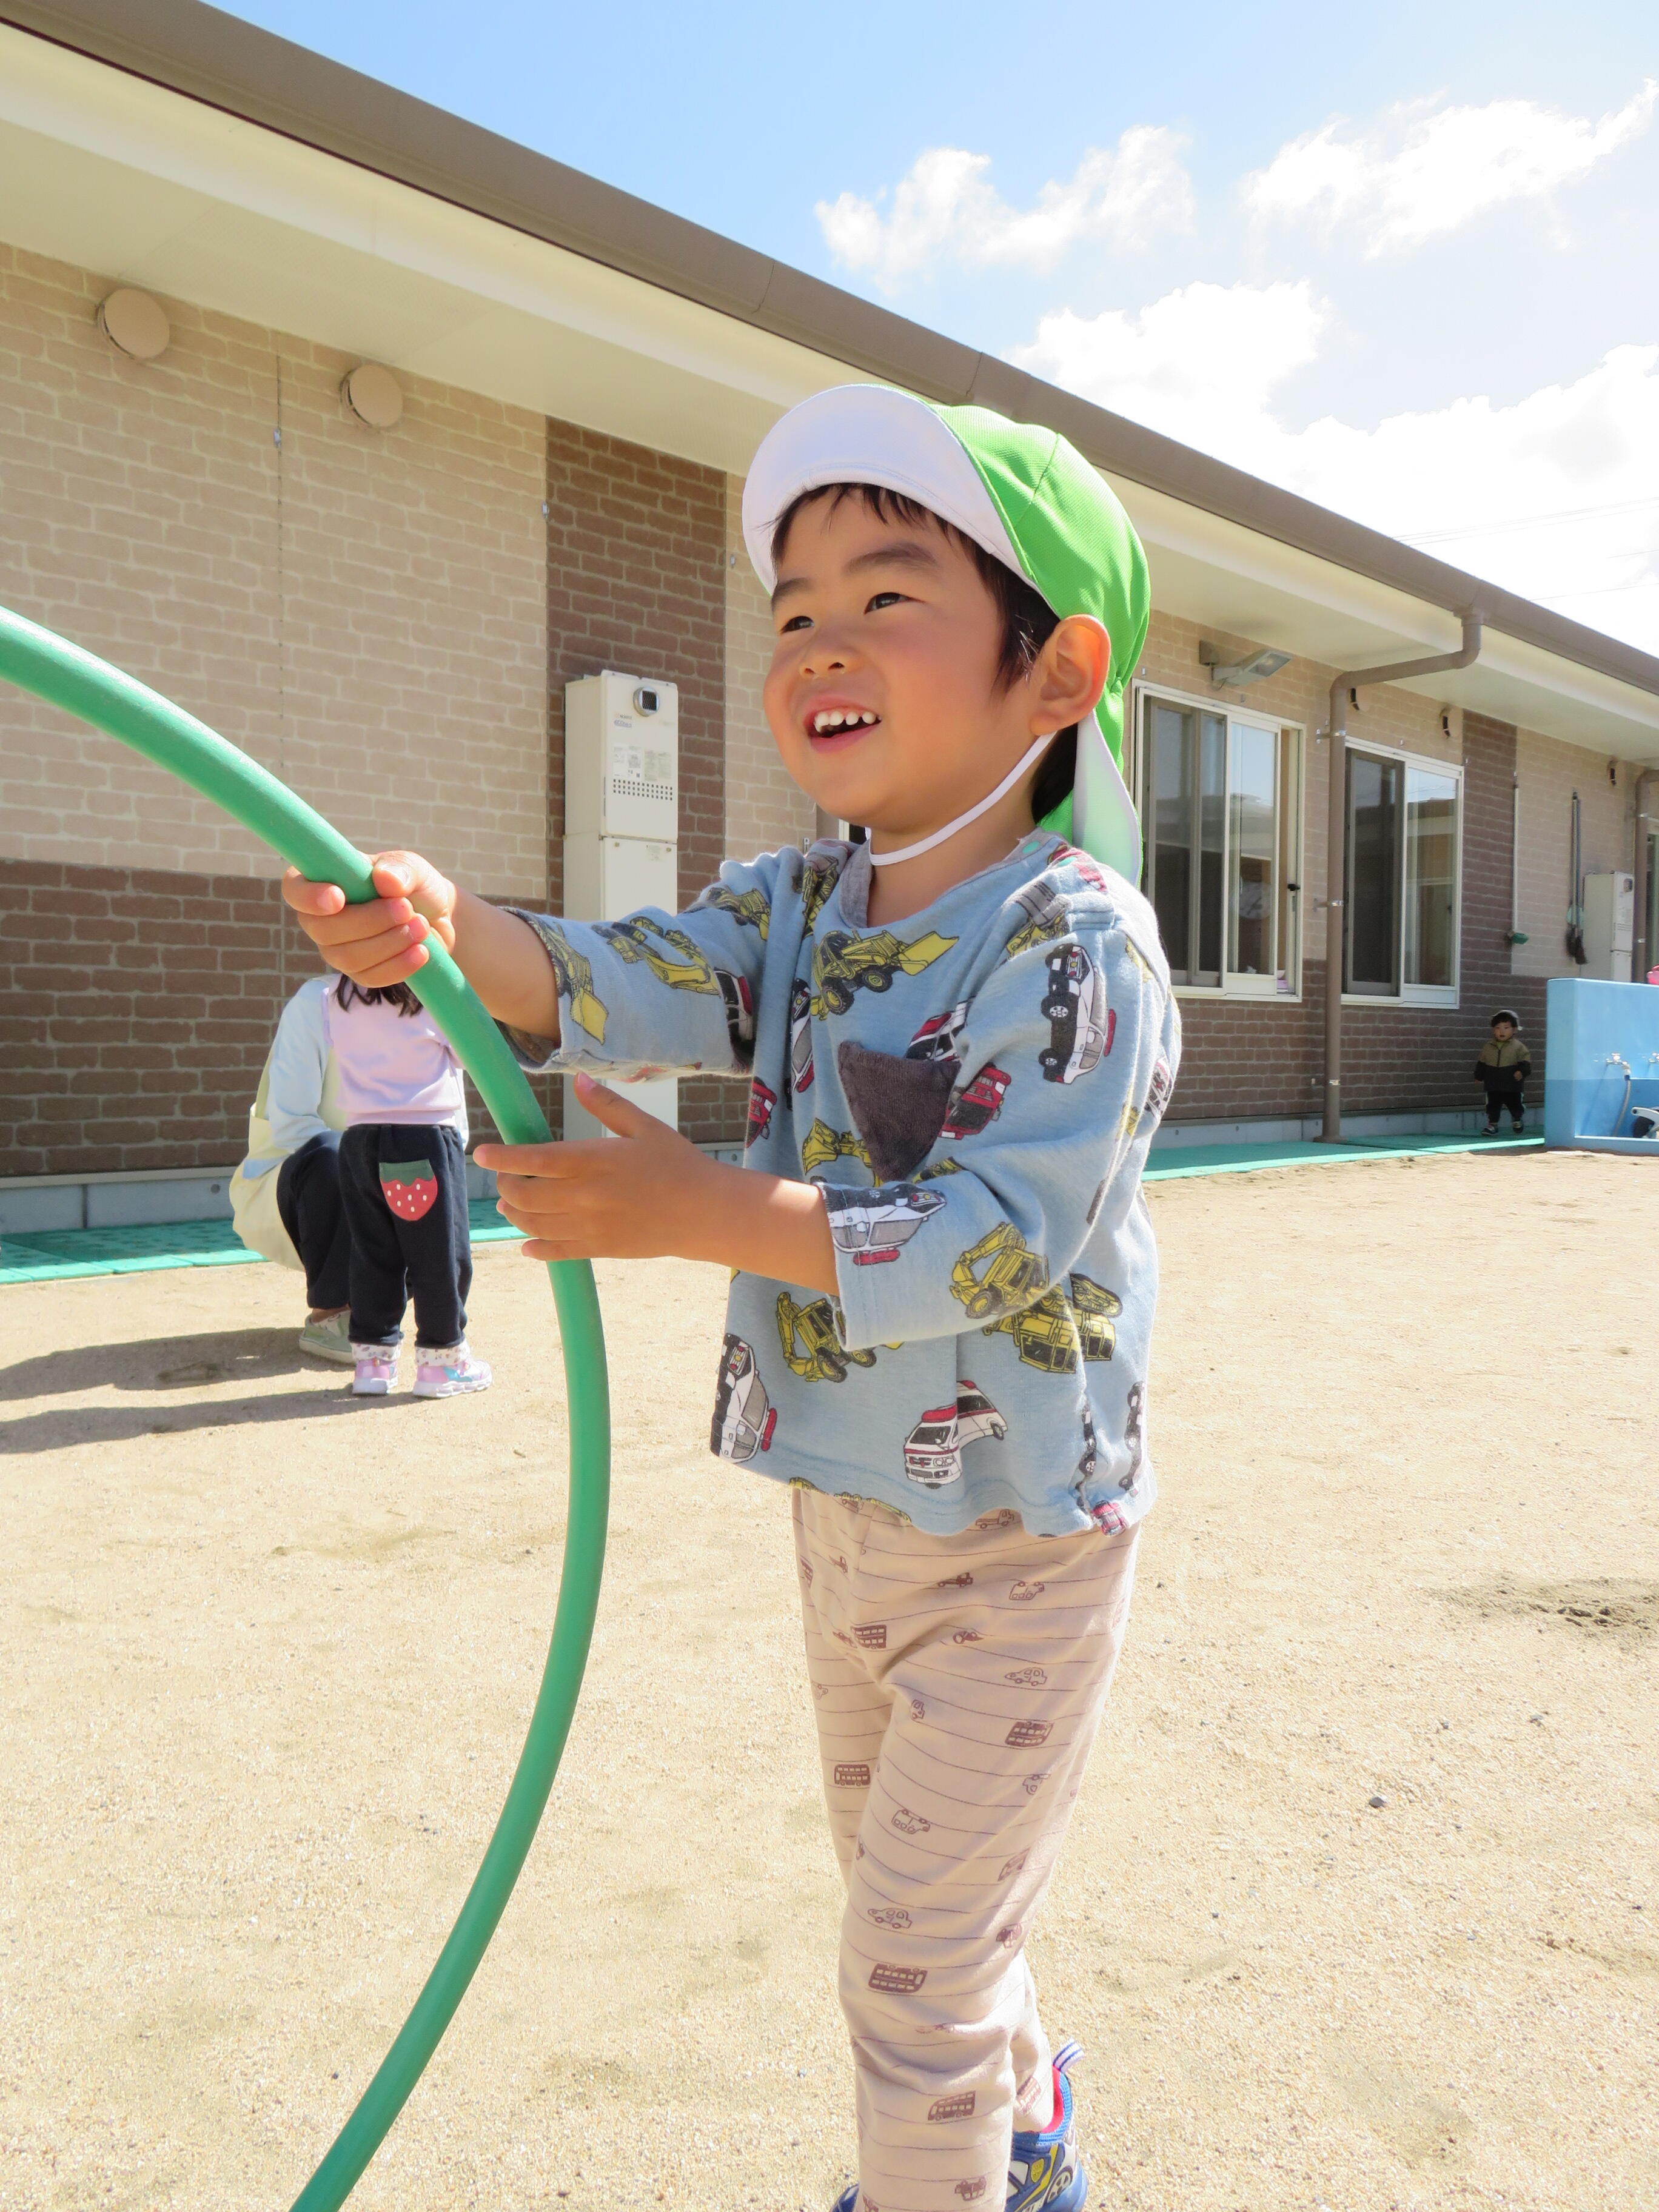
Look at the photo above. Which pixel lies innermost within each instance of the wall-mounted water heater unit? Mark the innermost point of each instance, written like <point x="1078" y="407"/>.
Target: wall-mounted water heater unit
<point x="622" y="790"/>
<point x="1609" y="926"/>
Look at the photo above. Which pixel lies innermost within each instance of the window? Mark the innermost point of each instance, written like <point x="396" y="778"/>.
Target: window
<point x="1220" y="811"/>
<point x="1403" y="832"/>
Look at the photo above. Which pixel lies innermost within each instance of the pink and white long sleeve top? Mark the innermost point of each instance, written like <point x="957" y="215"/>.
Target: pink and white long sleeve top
<point x="392" y="1066"/>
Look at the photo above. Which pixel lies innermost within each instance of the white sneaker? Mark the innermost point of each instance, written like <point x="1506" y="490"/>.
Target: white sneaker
<point x="377" y="1370"/>
<point x="448" y="1374"/>
<point x="329" y="1338"/>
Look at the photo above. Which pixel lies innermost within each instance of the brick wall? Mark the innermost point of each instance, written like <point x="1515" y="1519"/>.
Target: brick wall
<point x="637" y="581"/>
<point x="765" y="809"/>
<point x="1550" y="773"/>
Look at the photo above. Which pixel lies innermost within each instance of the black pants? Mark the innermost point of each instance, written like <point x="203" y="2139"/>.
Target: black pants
<point x="308" y="1201"/>
<point x="1500" y="1098"/>
<point x="418" y="1247"/>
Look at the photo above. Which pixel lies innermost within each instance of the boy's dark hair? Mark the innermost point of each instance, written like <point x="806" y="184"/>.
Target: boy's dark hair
<point x="383" y="994"/>
<point x="1505" y="1014"/>
<point x="1028" y="621"/>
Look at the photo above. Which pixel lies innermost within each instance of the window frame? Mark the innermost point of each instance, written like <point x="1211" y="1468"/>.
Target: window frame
<point x="1291" y="858"/>
<point x="1411" y="996"/>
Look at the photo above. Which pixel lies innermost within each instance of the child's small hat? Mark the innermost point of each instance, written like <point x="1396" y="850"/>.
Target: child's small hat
<point x="1505" y="1014"/>
<point x="1024" y="494"/>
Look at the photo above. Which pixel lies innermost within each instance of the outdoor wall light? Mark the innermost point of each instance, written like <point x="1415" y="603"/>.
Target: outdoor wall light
<point x="135" y="325"/>
<point x="374" y="395"/>
<point x="1250" y="670"/>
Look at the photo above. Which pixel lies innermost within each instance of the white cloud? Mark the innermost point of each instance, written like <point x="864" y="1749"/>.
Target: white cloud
<point x="945" y="208"/>
<point x="1556" y="496"/>
<point x="1420" y="175"/>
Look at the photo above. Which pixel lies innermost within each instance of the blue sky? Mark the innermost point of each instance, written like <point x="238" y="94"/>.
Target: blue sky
<point x="1404" y="259"/>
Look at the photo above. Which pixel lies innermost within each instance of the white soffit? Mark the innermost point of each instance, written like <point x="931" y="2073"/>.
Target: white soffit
<point x="113" y="173"/>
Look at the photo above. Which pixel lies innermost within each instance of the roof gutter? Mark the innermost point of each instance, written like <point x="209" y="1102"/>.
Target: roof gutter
<point x="1336" y="844"/>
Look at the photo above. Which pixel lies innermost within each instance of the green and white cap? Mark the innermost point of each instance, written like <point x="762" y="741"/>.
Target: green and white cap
<point x="1030" y="499"/>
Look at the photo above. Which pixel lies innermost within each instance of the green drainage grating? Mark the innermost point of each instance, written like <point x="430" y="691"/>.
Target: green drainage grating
<point x="52" y="1255"/>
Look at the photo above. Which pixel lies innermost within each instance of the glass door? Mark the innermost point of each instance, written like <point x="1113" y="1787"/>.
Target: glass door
<point x="1431" y="903"/>
<point x="1213" y="799"/>
<point x="1373" y="885"/>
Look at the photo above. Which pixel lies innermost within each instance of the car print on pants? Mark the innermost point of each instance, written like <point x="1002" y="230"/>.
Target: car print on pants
<point x="872" y="1224"/>
<point x="743" y="1418"/>
<point x="409" y="1187"/>
<point x="1080" y="1025"/>
<point x="933" y="1450"/>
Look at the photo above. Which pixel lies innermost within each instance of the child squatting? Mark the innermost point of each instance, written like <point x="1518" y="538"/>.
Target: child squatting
<point x="959" y="1035"/>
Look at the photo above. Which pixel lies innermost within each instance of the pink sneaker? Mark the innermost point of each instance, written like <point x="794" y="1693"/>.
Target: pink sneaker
<point x="376" y="1370"/>
<point x="448" y="1374"/>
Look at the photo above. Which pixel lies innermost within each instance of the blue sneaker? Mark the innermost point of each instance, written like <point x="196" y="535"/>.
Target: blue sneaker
<point x="1045" y="2174"/>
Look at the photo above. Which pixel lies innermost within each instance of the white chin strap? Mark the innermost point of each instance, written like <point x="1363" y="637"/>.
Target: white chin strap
<point x="927" y="844"/>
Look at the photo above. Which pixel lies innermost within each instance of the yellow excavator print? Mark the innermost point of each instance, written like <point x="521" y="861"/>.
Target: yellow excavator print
<point x="575" y="980"/>
<point x="1012" y="1274"/>
<point x="821" y="1145"/>
<point x="753" y="908"/>
<point x="1057" y="1331"/>
<point x="843" y="965"/>
<point x="1048" y="920"/>
<point x="632" y="939"/>
<point x="811" y="1345"/>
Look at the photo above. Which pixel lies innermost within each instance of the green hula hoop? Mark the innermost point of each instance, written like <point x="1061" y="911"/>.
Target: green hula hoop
<point x="81" y="684"/>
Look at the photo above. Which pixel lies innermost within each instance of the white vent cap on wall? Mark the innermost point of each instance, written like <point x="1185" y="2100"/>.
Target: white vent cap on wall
<point x="135" y="324"/>
<point x="374" y="395"/>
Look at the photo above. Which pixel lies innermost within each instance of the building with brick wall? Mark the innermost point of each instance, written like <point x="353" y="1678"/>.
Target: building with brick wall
<point x="387" y="616"/>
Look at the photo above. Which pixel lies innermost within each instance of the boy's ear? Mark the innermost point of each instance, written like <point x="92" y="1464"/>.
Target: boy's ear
<point x="1070" y="673"/>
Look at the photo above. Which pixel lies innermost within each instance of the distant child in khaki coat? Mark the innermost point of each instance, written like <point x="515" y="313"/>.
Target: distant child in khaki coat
<point x="1504" y="1067"/>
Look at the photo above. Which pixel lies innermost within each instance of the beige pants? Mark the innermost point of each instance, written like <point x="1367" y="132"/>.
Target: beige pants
<point x="958" y="1683"/>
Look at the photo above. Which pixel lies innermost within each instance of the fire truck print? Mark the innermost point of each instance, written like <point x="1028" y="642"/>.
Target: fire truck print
<point x="753" y="909"/>
<point x="761" y="1101"/>
<point x="744" y="1419"/>
<point x="798" y="1068"/>
<point x="974" y="1106"/>
<point x="1081" y="1023"/>
<point x="843" y="965"/>
<point x="1012" y="1273"/>
<point x="873" y="1225"/>
<point x="933" y="1450"/>
<point x="1056" y="1332"/>
<point x="938" y="1039"/>
<point x="811" y="1345"/>
<point x="823" y="1144"/>
<point x="1046" y="919"/>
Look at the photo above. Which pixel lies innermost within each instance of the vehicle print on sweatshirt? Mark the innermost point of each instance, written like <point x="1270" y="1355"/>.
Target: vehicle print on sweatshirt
<point x="938" y="1039"/>
<point x="1046" y="919"/>
<point x="1090" y="1459"/>
<point x="811" y="1347"/>
<point x="798" y="1068"/>
<point x="944" y="1167"/>
<point x="1057" y="1331"/>
<point x="843" y="965"/>
<point x="1009" y="1273"/>
<point x="1132" y="1436"/>
<point x="873" y="1225"/>
<point x="934" y="1448"/>
<point x="574" y="976"/>
<point x="819" y="877"/>
<point x="975" y="1105"/>
<point x="409" y="1187"/>
<point x="1081" y="1023"/>
<point x="762" y="1102"/>
<point x="635" y="939"/>
<point x="1108" y="1516"/>
<point x="744" y="1418"/>
<point x="752" y="908"/>
<point x="822" y="1145"/>
<point x="1158" y="1091"/>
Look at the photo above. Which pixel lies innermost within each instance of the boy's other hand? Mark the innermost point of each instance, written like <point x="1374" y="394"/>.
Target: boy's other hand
<point x="382" y="940"/>
<point x="641" y="1198"/>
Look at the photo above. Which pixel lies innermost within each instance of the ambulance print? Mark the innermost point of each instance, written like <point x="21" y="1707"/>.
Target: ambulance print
<point x="1080" y="1025"/>
<point x="744" y="1418"/>
<point x="872" y="1224"/>
<point x="938" y="1038"/>
<point x="798" y="1072"/>
<point x="933" y="1450"/>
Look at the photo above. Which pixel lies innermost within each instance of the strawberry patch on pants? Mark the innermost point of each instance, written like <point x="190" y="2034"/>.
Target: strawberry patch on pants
<point x="409" y="1188"/>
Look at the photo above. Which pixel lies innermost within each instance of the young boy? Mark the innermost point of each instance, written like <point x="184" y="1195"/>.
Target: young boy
<point x="1504" y="1067"/>
<point x="958" y="1036"/>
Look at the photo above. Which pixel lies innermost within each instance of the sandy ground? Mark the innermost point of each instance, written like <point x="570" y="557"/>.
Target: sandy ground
<point x="265" y="1658"/>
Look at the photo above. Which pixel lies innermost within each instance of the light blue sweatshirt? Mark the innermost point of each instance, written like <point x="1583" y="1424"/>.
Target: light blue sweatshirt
<point x="974" y="1090"/>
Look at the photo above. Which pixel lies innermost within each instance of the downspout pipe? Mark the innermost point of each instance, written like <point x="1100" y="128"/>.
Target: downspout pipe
<point x="1336" y="843"/>
<point x="1647" y="819"/>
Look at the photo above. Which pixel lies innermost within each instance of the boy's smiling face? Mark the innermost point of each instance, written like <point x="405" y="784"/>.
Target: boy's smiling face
<point x="884" y="693"/>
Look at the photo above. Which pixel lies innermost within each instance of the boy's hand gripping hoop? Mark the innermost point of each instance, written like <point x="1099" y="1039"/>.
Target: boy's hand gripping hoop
<point x="85" y="685"/>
